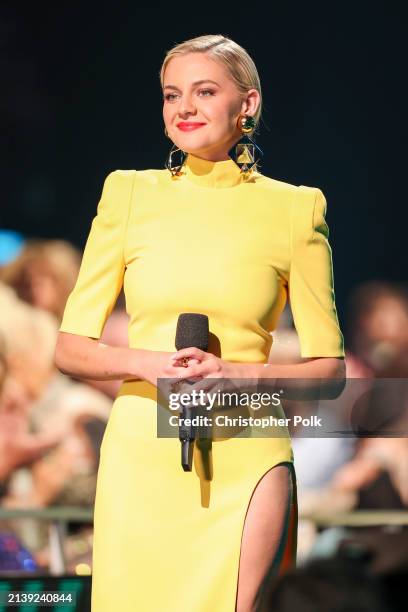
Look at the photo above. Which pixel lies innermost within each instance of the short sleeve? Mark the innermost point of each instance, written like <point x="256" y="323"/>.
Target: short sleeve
<point x="100" y="277"/>
<point x="311" y="283"/>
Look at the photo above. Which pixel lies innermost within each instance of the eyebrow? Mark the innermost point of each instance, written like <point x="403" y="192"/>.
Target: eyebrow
<point x="195" y="83"/>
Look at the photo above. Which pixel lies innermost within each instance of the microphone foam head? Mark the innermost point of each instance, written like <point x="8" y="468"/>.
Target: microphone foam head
<point x="192" y="330"/>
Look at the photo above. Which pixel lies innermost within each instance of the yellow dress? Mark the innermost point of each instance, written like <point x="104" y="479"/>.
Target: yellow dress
<point x="212" y="242"/>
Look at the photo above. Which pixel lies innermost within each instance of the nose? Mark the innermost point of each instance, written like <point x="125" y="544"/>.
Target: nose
<point x="186" y="107"/>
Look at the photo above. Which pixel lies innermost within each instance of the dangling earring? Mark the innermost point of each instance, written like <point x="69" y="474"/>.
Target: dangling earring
<point x="175" y="159"/>
<point x="245" y="153"/>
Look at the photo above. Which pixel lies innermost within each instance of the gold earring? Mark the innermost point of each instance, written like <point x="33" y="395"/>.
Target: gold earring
<point x="245" y="153"/>
<point x="175" y="160"/>
<point x="247" y="124"/>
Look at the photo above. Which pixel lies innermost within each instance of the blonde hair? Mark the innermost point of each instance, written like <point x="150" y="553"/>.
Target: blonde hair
<point x="235" y="58"/>
<point x="58" y="257"/>
<point x="25" y="330"/>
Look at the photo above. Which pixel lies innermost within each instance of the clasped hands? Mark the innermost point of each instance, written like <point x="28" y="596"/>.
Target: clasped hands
<point x="200" y="369"/>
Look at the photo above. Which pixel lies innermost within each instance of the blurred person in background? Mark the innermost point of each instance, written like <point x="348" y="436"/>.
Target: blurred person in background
<point x="43" y="273"/>
<point x="316" y="458"/>
<point x="375" y="476"/>
<point x="378" y="339"/>
<point x="18" y="445"/>
<point x="50" y="426"/>
<point x="285" y="340"/>
<point x="378" y="331"/>
<point x="377" y="327"/>
<point x="367" y="472"/>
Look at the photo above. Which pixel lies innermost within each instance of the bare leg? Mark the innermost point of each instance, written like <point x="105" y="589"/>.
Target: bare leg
<point x="265" y="534"/>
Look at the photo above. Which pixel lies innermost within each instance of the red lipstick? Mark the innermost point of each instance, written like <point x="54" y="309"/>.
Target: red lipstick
<point x="189" y="126"/>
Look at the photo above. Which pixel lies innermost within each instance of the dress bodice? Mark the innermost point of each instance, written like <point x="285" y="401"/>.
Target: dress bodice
<point x="212" y="241"/>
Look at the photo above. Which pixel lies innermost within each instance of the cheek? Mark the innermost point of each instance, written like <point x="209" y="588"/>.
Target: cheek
<point x="232" y="113"/>
<point x="168" y="113"/>
<point x="226" y="116"/>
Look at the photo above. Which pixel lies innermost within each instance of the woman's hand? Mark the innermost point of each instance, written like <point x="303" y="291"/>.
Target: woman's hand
<point x="221" y="385"/>
<point x="205" y="367"/>
<point x="161" y="370"/>
<point x="161" y="364"/>
<point x="193" y="370"/>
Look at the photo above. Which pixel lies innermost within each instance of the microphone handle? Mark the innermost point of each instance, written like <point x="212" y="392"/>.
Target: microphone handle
<point x="187" y="435"/>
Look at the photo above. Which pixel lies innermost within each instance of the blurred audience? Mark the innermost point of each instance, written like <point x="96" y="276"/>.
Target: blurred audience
<point x="20" y="383"/>
<point x="378" y="330"/>
<point x="50" y="424"/>
<point x="316" y="458"/>
<point x="365" y="471"/>
<point x="377" y="327"/>
<point x="43" y="274"/>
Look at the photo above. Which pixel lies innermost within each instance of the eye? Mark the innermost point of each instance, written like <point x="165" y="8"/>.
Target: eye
<point x="206" y="91"/>
<point x="170" y="97"/>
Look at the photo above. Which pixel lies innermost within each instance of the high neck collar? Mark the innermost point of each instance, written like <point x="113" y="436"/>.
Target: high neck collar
<point x="207" y="173"/>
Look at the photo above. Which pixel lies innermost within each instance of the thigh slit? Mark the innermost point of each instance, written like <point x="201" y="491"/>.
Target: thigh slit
<point x="285" y="557"/>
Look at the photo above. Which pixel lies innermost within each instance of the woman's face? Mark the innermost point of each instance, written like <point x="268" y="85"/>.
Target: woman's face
<point x="382" y="337"/>
<point x="39" y="286"/>
<point x="202" y="105"/>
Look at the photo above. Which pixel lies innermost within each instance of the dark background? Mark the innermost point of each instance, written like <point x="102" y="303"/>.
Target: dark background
<point x="81" y="97"/>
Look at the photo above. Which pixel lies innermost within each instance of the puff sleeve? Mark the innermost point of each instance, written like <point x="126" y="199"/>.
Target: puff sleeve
<point x="311" y="288"/>
<point x="100" y="277"/>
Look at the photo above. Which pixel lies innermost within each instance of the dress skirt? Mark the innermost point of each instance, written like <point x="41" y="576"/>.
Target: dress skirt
<point x="166" y="540"/>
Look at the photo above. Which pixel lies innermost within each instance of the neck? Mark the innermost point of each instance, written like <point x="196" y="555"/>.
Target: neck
<point x="210" y="173"/>
<point x="212" y="157"/>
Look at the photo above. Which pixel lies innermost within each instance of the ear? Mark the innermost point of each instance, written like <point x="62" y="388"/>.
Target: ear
<point x="251" y="102"/>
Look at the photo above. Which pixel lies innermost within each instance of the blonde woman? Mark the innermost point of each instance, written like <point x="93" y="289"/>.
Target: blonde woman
<point x="44" y="274"/>
<point x="205" y="236"/>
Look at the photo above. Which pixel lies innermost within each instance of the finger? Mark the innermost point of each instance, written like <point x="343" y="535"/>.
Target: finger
<point x="194" y="370"/>
<point x="189" y="352"/>
<point x="184" y="362"/>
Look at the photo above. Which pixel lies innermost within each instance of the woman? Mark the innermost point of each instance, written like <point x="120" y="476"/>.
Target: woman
<point x="209" y="238"/>
<point x="44" y="274"/>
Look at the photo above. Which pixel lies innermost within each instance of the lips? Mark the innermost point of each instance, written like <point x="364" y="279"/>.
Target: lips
<point x="188" y="126"/>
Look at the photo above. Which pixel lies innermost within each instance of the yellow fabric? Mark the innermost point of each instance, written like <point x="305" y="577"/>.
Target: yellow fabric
<point x="214" y="242"/>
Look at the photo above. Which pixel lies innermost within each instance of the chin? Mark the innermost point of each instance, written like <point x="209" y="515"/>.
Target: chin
<point x="191" y="145"/>
<point x="195" y="143"/>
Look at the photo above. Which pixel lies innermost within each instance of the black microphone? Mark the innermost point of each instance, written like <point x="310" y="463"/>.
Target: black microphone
<point x="192" y="330"/>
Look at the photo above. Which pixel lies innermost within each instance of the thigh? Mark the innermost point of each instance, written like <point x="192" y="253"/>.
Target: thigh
<point x="265" y="533"/>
